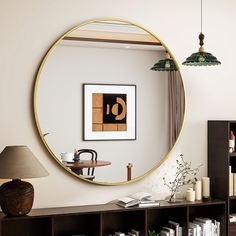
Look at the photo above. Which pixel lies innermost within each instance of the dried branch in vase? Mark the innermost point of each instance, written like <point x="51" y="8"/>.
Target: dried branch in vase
<point x="184" y="176"/>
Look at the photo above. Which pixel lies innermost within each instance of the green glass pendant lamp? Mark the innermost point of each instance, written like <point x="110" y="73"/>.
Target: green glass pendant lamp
<point x="166" y="64"/>
<point x="201" y="58"/>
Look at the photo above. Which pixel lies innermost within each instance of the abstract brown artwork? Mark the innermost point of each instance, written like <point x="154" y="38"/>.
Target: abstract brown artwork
<point x="109" y="112"/>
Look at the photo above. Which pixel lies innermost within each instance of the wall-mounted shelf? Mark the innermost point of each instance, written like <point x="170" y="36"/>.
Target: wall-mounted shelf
<point x="99" y="220"/>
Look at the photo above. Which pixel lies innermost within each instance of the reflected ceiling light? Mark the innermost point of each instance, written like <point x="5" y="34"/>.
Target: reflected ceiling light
<point x="201" y="58"/>
<point x="166" y="64"/>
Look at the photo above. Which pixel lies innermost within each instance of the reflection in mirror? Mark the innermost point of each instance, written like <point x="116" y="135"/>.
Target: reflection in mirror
<point x="113" y="57"/>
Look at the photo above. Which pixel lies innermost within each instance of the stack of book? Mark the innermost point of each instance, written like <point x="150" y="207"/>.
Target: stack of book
<point x="133" y="232"/>
<point x="172" y="229"/>
<point x="140" y="199"/>
<point x="204" y="226"/>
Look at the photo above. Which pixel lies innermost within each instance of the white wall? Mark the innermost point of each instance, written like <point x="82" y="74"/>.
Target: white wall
<point x="29" y="27"/>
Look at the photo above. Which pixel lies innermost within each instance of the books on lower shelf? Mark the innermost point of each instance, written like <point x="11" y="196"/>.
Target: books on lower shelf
<point x="172" y="229"/>
<point x="140" y="199"/>
<point x="204" y="226"/>
<point x="133" y="232"/>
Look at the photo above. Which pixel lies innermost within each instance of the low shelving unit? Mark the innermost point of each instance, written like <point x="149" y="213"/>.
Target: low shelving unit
<point x="101" y="220"/>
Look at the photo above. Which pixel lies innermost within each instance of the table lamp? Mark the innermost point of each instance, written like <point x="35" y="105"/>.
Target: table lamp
<point x="16" y="163"/>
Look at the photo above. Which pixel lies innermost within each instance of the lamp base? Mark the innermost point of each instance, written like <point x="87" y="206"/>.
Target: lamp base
<point x="16" y="197"/>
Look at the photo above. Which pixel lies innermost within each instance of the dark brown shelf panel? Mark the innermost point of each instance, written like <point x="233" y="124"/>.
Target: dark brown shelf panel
<point x="219" y="161"/>
<point x="232" y="223"/>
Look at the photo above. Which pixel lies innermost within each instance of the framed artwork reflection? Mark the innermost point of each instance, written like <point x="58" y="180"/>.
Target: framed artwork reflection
<point x="109" y="112"/>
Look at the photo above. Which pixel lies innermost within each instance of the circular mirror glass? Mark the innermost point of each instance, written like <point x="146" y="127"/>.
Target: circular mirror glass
<point x="102" y="112"/>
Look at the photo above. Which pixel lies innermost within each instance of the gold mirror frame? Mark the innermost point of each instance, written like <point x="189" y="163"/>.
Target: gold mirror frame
<point x="35" y="98"/>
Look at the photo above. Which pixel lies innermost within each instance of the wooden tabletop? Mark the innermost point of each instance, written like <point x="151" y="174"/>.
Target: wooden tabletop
<point x="86" y="164"/>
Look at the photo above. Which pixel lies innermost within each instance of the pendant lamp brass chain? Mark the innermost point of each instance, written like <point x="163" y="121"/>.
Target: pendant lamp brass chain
<point x="201" y="16"/>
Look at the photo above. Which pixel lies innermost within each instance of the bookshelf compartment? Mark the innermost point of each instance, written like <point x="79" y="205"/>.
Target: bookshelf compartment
<point x="207" y="211"/>
<point x="27" y="227"/>
<point x="233" y="163"/>
<point x="157" y="218"/>
<point x="232" y="205"/>
<point x="88" y="224"/>
<point x="123" y="221"/>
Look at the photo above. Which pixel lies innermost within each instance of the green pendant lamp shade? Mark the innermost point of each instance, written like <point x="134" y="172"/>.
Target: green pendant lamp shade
<point x="201" y="58"/>
<point x="166" y="64"/>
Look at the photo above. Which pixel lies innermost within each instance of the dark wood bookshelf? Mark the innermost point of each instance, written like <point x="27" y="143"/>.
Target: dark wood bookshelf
<point x="99" y="220"/>
<point x="219" y="161"/>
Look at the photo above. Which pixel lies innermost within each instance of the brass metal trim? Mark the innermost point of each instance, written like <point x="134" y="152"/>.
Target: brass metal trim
<point x="36" y="115"/>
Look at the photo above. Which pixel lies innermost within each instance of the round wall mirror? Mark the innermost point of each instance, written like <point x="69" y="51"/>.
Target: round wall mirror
<point x="103" y="114"/>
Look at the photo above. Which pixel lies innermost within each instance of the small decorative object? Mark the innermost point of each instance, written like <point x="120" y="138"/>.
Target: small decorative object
<point x="198" y="190"/>
<point x="201" y="58"/>
<point x="129" y="171"/>
<point x="109" y="112"/>
<point x="184" y="176"/>
<point x="16" y="163"/>
<point x="206" y="189"/>
<point x="231" y="142"/>
<point x="190" y="195"/>
<point x="166" y="64"/>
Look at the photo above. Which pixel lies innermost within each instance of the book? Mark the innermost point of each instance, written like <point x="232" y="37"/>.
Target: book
<point x="234" y="184"/>
<point x="207" y="225"/>
<point x="168" y="229"/>
<point x="135" y="232"/>
<point x="196" y="229"/>
<point x="174" y="226"/>
<point x="202" y="225"/>
<point x="119" y="234"/>
<point x="164" y="233"/>
<point x="149" y="203"/>
<point x="180" y="230"/>
<point x="231" y="182"/>
<point x="191" y="232"/>
<point x="135" y="200"/>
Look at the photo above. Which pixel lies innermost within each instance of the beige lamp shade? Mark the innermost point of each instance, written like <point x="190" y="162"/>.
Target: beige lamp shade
<point x="18" y="162"/>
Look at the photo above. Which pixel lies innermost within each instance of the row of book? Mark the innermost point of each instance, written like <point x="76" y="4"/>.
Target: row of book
<point x="204" y="226"/>
<point x="232" y="183"/>
<point x="172" y="229"/>
<point x="198" y="227"/>
<point x="133" y="232"/>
